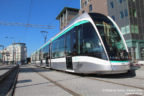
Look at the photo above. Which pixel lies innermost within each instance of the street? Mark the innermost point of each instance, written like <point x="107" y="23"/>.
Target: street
<point x="35" y="81"/>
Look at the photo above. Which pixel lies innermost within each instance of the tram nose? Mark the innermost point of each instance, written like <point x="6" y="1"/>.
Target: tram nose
<point x="119" y="66"/>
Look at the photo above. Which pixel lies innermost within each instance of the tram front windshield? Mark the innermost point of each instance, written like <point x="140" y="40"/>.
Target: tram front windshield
<point x="111" y="38"/>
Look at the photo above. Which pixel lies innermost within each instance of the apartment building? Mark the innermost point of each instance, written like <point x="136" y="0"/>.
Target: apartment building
<point x="15" y="53"/>
<point x="66" y="15"/>
<point x="128" y="14"/>
<point x="88" y="6"/>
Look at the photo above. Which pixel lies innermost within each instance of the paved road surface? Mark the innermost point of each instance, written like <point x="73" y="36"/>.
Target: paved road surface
<point x="33" y="81"/>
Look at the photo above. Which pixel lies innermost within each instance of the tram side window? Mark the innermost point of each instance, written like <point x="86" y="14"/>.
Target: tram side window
<point x="68" y="44"/>
<point x="90" y="44"/>
<point x="46" y="51"/>
<point x="57" y="48"/>
<point x="80" y="39"/>
<point x="74" y="42"/>
<point x="60" y="47"/>
<point x="41" y="54"/>
<point x="37" y="56"/>
<point x="54" y="49"/>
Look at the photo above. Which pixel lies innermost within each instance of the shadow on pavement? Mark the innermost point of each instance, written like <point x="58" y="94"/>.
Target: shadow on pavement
<point x="129" y="74"/>
<point x="29" y="69"/>
<point x="24" y="81"/>
<point x="30" y="85"/>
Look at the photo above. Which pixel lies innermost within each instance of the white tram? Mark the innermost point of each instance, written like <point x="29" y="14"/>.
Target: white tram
<point x="92" y="43"/>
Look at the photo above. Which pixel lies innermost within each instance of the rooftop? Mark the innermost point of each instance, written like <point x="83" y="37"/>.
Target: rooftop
<point x="64" y="9"/>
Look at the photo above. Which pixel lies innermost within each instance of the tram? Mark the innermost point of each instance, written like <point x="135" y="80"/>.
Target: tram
<point x="92" y="43"/>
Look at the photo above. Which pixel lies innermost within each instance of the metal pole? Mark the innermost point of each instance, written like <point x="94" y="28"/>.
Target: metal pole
<point x="44" y="33"/>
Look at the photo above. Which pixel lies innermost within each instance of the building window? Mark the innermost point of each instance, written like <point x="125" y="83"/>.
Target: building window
<point x="127" y="29"/>
<point x="142" y="53"/>
<point x="85" y="3"/>
<point x="90" y="8"/>
<point x="121" y="15"/>
<point x="126" y="12"/>
<point x="120" y="1"/>
<point x="83" y="11"/>
<point x="133" y="12"/>
<point x="112" y="4"/>
<point x="123" y="30"/>
<point x="113" y="17"/>
<point x="134" y="29"/>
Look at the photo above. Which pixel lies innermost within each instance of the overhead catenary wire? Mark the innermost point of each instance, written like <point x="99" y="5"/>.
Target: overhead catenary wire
<point x="29" y="13"/>
<point x="26" y="25"/>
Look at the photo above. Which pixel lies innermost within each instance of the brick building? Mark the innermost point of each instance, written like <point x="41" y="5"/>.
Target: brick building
<point x="15" y="53"/>
<point x="66" y="15"/>
<point x="128" y="14"/>
<point x="99" y="6"/>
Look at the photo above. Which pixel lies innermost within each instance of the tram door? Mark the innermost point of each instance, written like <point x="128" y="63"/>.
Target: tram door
<point x="47" y="62"/>
<point x="48" y="58"/>
<point x="68" y="51"/>
<point x="70" y="48"/>
<point x="69" y="64"/>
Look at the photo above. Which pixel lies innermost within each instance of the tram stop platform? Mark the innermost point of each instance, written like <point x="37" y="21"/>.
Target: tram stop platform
<point x="4" y="70"/>
<point x="29" y="83"/>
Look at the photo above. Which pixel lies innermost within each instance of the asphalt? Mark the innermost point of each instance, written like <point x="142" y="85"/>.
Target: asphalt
<point x="30" y="83"/>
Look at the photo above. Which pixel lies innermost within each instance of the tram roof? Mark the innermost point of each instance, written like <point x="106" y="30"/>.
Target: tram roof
<point x="67" y="28"/>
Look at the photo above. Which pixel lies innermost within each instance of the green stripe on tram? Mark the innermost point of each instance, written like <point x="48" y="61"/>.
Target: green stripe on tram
<point x="119" y="61"/>
<point x="76" y="24"/>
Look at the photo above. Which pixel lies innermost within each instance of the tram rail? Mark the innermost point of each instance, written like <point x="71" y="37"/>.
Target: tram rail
<point x="58" y="84"/>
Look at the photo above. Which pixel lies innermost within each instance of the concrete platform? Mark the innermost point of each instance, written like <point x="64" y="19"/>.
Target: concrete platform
<point x="4" y="69"/>
<point x="31" y="84"/>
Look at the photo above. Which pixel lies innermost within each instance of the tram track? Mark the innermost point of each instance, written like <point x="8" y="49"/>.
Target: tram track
<point x="139" y="78"/>
<point x="106" y="81"/>
<point x="58" y="84"/>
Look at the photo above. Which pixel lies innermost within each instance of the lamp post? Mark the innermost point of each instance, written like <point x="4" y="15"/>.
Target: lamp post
<point x="44" y="33"/>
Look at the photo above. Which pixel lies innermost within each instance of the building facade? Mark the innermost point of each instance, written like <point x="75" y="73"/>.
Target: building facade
<point x="15" y="53"/>
<point x="0" y="58"/>
<point x="66" y="15"/>
<point x="88" y="6"/>
<point x="128" y="14"/>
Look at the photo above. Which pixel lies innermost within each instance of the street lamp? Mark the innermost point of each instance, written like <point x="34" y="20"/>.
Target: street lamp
<point x="44" y="33"/>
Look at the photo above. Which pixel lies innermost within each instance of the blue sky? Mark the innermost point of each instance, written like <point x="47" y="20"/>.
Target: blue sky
<point x="43" y="12"/>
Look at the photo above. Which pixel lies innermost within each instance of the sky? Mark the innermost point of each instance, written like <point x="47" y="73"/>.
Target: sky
<point x="41" y="12"/>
